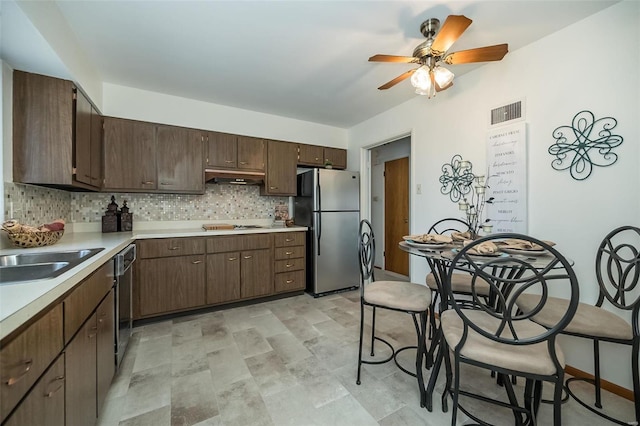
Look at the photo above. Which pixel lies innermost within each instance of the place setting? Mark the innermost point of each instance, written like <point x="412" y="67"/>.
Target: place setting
<point x="429" y="242"/>
<point x="523" y="248"/>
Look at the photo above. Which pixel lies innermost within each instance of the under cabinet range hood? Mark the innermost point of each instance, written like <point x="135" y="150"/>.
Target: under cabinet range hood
<point x="235" y="177"/>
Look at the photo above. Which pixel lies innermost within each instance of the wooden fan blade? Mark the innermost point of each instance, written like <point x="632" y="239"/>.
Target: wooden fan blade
<point x="451" y="30"/>
<point x="481" y="54"/>
<point x="397" y="80"/>
<point x="393" y="58"/>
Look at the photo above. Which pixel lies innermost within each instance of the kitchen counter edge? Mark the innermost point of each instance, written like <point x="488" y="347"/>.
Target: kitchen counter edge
<point x="22" y="301"/>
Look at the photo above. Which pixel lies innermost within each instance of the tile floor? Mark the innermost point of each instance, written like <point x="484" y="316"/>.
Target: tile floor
<point x="286" y="362"/>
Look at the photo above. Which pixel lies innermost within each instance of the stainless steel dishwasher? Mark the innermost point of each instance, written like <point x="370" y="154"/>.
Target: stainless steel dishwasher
<point x="123" y="277"/>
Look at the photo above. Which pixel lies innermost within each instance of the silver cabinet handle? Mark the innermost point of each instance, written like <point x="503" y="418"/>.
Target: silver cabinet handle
<point x="232" y="259"/>
<point x="288" y="240"/>
<point x="243" y="162"/>
<point x="174" y="248"/>
<point x="27" y="366"/>
<point x="56" y="379"/>
<point x="195" y="262"/>
<point x="147" y="182"/>
<point x="248" y="257"/>
<point x="289" y="281"/>
<point x="273" y="187"/>
<point x="165" y="183"/>
<point x="288" y="253"/>
<point x="288" y="265"/>
<point x="228" y="161"/>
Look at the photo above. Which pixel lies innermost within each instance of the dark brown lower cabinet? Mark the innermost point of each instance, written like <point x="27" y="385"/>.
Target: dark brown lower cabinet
<point x="223" y="277"/>
<point x="170" y="284"/>
<point x="80" y="360"/>
<point x="44" y="405"/>
<point x="105" y="358"/>
<point x="256" y="273"/>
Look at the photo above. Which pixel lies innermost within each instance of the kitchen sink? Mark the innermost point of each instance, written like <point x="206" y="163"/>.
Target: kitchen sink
<point x="37" y="266"/>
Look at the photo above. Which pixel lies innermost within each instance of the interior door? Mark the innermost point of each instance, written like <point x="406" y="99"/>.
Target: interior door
<point x="396" y="214"/>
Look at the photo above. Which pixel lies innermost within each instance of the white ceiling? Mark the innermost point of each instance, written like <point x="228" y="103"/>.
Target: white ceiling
<point x="300" y="59"/>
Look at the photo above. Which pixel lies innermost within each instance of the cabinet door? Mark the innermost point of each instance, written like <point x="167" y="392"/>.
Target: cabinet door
<point x="80" y="371"/>
<point x="222" y="150"/>
<point x="130" y="154"/>
<point x="337" y="156"/>
<point x="179" y="159"/>
<point x="310" y="155"/>
<point x="82" y="142"/>
<point x="223" y="277"/>
<point x="105" y="348"/>
<point x="96" y="148"/>
<point x="251" y="153"/>
<point x="26" y="357"/>
<point x="171" y="284"/>
<point x="45" y="403"/>
<point x="256" y="273"/>
<point x="42" y="129"/>
<point x="282" y="161"/>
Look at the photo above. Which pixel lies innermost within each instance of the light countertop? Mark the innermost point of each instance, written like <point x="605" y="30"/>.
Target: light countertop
<point x="21" y="301"/>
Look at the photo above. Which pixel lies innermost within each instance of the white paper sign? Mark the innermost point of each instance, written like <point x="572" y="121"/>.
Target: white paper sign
<point x="507" y="164"/>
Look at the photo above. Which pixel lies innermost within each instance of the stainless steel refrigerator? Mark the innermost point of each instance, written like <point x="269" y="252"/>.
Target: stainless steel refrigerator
<point x="328" y="202"/>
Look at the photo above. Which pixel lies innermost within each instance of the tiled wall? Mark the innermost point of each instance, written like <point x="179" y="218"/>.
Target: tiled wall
<point x="36" y="205"/>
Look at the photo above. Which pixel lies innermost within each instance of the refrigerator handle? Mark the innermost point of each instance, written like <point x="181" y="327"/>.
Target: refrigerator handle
<point x="319" y="195"/>
<point x="319" y="233"/>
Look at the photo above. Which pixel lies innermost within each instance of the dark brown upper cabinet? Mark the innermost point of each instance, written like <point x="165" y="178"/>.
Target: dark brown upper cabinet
<point x="56" y="134"/>
<point x="147" y="157"/>
<point x="337" y="157"/>
<point x="235" y="152"/>
<point x="310" y="155"/>
<point x="282" y="160"/>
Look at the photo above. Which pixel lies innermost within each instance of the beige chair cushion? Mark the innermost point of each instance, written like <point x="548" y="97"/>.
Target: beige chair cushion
<point x="533" y="358"/>
<point x="461" y="283"/>
<point x="398" y="295"/>
<point x="589" y="320"/>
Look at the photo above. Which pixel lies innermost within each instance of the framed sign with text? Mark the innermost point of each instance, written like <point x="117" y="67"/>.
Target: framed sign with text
<point x="507" y="167"/>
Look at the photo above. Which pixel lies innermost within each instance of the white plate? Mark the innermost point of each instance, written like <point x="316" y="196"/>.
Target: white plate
<point x="524" y="252"/>
<point x="427" y="245"/>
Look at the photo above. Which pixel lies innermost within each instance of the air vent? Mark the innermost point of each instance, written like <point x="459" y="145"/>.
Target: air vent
<point x="505" y="113"/>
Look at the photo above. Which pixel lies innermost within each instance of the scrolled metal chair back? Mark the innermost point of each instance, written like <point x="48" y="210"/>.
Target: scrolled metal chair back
<point x="448" y="225"/>
<point x="509" y="277"/>
<point x="618" y="268"/>
<point x="366" y="252"/>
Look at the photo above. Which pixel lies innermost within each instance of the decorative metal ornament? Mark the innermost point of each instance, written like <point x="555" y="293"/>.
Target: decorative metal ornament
<point x="592" y="145"/>
<point x="456" y="178"/>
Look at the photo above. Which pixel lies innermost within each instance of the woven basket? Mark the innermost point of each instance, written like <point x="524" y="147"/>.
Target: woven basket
<point x="35" y="239"/>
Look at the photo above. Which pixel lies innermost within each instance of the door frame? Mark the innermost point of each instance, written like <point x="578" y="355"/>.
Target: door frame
<point x="365" y="179"/>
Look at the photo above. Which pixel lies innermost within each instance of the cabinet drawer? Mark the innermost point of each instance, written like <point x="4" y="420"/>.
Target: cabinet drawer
<point x="228" y="243"/>
<point x="168" y="247"/>
<point x="289" y="281"/>
<point x="45" y="403"/>
<point x="289" y="265"/>
<point x="84" y="299"/>
<point x="26" y="357"/>
<point x="289" y="252"/>
<point x="286" y="239"/>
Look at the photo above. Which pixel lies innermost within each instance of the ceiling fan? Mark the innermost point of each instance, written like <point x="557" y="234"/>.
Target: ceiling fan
<point x="431" y="76"/>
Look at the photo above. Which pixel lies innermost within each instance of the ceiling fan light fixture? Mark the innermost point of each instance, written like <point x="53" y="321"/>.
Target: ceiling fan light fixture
<point x="421" y="80"/>
<point x="443" y="76"/>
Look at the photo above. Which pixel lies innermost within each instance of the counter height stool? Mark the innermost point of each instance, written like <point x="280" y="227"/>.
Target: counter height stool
<point x="497" y="336"/>
<point x="414" y="299"/>
<point x="618" y="276"/>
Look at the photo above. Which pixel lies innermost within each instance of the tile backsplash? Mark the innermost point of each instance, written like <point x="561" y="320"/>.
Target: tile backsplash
<point x="35" y="205"/>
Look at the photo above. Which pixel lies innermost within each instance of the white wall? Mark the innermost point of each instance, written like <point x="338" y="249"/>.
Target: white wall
<point x="574" y="69"/>
<point x="128" y="102"/>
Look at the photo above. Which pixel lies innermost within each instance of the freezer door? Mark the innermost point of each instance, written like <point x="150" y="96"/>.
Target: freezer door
<point x="335" y="243"/>
<point x="337" y="190"/>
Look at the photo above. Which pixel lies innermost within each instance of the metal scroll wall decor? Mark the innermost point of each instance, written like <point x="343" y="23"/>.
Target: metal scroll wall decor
<point x="586" y="143"/>
<point x="456" y="178"/>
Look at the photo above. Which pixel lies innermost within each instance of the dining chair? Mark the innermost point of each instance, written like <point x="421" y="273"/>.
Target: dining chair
<point x="460" y="282"/>
<point x="413" y="299"/>
<point x="498" y="337"/>
<point x="618" y="275"/>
